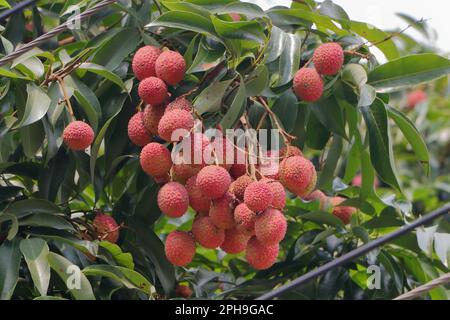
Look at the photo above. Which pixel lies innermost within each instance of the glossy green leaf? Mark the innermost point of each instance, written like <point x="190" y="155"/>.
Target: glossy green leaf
<point x="37" y="105"/>
<point x="35" y="251"/>
<point x="9" y="268"/>
<point x="103" y="72"/>
<point x="236" y="109"/>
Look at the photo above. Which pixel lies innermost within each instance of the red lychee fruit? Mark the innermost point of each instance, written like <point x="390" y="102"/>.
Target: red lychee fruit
<point x="213" y="181"/>
<point x="238" y="170"/>
<point x="106" y="228"/>
<point x="78" y="135"/>
<point x="318" y="195"/>
<point x="180" y="248"/>
<point x="270" y="227"/>
<point x="258" y="196"/>
<point x="279" y="195"/>
<point x="415" y="97"/>
<point x="260" y="256"/>
<point x="137" y="132"/>
<point x="207" y="233"/>
<point x="328" y="58"/>
<point x="144" y="62"/>
<point x="298" y="175"/>
<point x="239" y="185"/>
<point x="222" y="211"/>
<point x="155" y="159"/>
<point x="183" y="291"/>
<point x="244" y="218"/>
<point x="343" y="213"/>
<point x="175" y="120"/>
<point x="173" y="199"/>
<point x="197" y="200"/>
<point x="308" y="85"/>
<point x="152" y="90"/>
<point x="235" y="16"/>
<point x="152" y="116"/>
<point x="170" y="67"/>
<point x="180" y="103"/>
<point x="235" y="241"/>
<point x="290" y="151"/>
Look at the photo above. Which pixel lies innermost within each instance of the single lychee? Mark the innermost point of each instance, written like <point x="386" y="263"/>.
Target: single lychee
<point x="155" y="159"/>
<point x="415" y="97"/>
<point x="318" y="195"/>
<point x="175" y="124"/>
<point x="144" y="62"/>
<point x="173" y="199"/>
<point x="298" y="175"/>
<point x="137" y="132"/>
<point x="258" y="196"/>
<point x="279" y="194"/>
<point x="342" y="212"/>
<point x="270" y="227"/>
<point x="180" y="103"/>
<point x="290" y="151"/>
<point x="207" y="233"/>
<point x="183" y="291"/>
<point x="197" y="200"/>
<point x="222" y="211"/>
<point x="308" y="85"/>
<point x="152" y="116"/>
<point x="328" y="58"/>
<point x="180" y="248"/>
<point x="239" y="185"/>
<point x="106" y="228"/>
<point x="152" y="90"/>
<point x="213" y="181"/>
<point x="170" y="67"/>
<point x="78" y="135"/>
<point x="244" y="218"/>
<point x="260" y="256"/>
<point x="235" y="241"/>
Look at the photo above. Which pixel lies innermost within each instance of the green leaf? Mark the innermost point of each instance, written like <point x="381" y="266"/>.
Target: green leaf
<point x="5" y="4"/>
<point x="257" y="81"/>
<point x="286" y="109"/>
<point x="35" y="252"/>
<point x="37" y="106"/>
<point x="105" y="73"/>
<point x="408" y="71"/>
<point x="289" y="59"/>
<point x="328" y="171"/>
<point x="236" y="109"/>
<point x="70" y="275"/>
<point x="250" y="10"/>
<point x="27" y="207"/>
<point x="323" y="218"/>
<point x="10" y="74"/>
<point x="242" y="30"/>
<point x="330" y="115"/>
<point x="209" y="100"/>
<point x="124" y="259"/>
<point x="9" y="268"/>
<point x="47" y="220"/>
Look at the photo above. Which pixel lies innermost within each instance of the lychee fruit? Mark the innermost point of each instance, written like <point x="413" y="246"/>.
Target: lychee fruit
<point x="290" y="151"/>
<point x="260" y="256"/>
<point x="155" y="159"/>
<point x="180" y="248"/>
<point x="207" y="233"/>
<point x="106" y="227"/>
<point x="328" y="58"/>
<point x="173" y="199"/>
<point x="183" y="291"/>
<point x="318" y="195"/>
<point x="137" y="132"/>
<point x="270" y="227"/>
<point x="279" y="194"/>
<point x="308" y="85"/>
<point x="180" y="103"/>
<point x="144" y="62"/>
<point x="152" y="116"/>
<point x="78" y="135"/>
<point x="170" y="67"/>
<point x="152" y="90"/>
<point x="222" y="211"/>
<point x="174" y="121"/>
<point x="342" y="212"/>
<point x="298" y="175"/>
<point x="238" y="169"/>
<point x="239" y="185"/>
<point x="258" y="196"/>
<point x="197" y="200"/>
<point x="235" y="241"/>
<point x="244" y="218"/>
<point x="213" y="181"/>
<point x="415" y="97"/>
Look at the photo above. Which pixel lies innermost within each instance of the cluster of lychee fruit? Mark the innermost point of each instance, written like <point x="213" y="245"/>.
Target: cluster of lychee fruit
<point x="328" y="59"/>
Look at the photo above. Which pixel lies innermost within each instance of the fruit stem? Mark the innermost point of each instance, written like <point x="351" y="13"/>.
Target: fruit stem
<point x="66" y="97"/>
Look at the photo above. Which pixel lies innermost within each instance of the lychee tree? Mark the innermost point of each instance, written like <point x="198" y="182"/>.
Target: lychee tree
<point x="87" y="180"/>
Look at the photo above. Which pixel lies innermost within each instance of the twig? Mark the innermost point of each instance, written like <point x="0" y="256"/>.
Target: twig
<point x="66" y="98"/>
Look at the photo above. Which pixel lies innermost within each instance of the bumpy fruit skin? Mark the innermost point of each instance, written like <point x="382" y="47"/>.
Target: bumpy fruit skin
<point x="155" y="160"/>
<point x="290" y="151"/>
<point x="235" y="241"/>
<point x="239" y="185"/>
<point x="279" y="195"/>
<point x="197" y="200"/>
<point x="213" y="181"/>
<point x="78" y="135"/>
<point x="328" y="58"/>
<point x="152" y="116"/>
<point x="343" y="213"/>
<point x="260" y="256"/>
<point x="152" y="90"/>
<point x="106" y="227"/>
<point x="270" y="227"/>
<point x="180" y="103"/>
<point x="137" y="132"/>
<point x="180" y="248"/>
<point x="183" y="291"/>
<point x="173" y="120"/>
<point x="258" y="196"/>
<point x="298" y="175"/>
<point x="206" y="233"/>
<point x="222" y="211"/>
<point x="415" y="97"/>
<point x="173" y="199"/>
<point x="144" y="62"/>
<point x="308" y="85"/>
<point x="318" y="195"/>
<point x="170" y="67"/>
<point x="244" y="218"/>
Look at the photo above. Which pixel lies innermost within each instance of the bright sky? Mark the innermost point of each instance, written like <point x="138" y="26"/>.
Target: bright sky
<point x="381" y="13"/>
